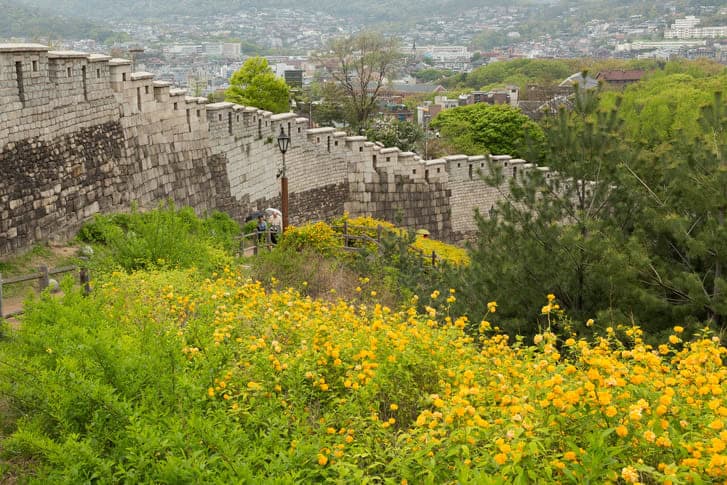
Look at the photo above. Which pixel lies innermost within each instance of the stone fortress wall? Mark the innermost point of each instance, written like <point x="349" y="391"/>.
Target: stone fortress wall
<point x="82" y="134"/>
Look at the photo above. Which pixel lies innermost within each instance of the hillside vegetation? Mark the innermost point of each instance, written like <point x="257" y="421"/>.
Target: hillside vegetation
<point x="30" y="22"/>
<point x="174" y="375"/>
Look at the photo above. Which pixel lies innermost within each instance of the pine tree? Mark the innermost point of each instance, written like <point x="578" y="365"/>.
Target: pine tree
<point x="683" y="228"/>
<point x="558" y="231"/>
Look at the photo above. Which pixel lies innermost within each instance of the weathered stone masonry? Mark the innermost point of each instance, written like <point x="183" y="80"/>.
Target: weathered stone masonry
<point x="82" y="134"/>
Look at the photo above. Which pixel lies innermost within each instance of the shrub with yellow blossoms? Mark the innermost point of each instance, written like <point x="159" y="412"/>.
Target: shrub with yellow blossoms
<point x="160" y="376"/>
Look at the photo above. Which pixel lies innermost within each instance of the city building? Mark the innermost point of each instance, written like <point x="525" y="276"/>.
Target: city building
<point x="687" y="28"/>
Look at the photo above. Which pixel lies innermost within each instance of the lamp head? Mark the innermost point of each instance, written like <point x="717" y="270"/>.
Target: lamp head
<point x="283" y="140"/>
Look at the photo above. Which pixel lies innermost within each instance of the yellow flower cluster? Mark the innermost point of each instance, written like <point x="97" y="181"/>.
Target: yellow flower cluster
<point x="451" y="254"/>
<point x="415" y="386"/>
<point x="366" y="225"/>
<point x="318" y="236"/>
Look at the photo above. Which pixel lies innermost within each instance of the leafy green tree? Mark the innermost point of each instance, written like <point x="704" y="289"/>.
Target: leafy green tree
<point x="395" y="133"/>
<point x="483" y="128"/>
<point x="328" y="106"/>
<point x="519" y="72"/>
<point x="665" y="107"/>
<point x="431" y="74"/>
<point x="255" y="84"/>
<point x="363" y="63"/>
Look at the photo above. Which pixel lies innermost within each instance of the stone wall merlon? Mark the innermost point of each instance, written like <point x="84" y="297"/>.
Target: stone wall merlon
<point x="320" y="131"/>
<point x="195" y="100"/>
<point x="220" y="105"/>
<point x="384" y="151"/>
<point x="161" y="84"/>
<point x="545" y="170"/>
<point x="435" y="162"/>
<point x="23" y="48"/>
<point x="456" y="158"/>
<point x="282" y="116"/>
<point x="356" y="138"/>
<point x="339" y="134"/>
<point x="141" y="76"/>
<point x="177" y="92"/>
<point x="98" y="58"/>
<point x="117" y="61"/>
<point x="516" y="161"/>
<point x="476" y="158"/>
<point x="67" y="55"/>
<point x="301" y="119"/>
<point x="250" y="109"/>
<point x="499" y="158"/>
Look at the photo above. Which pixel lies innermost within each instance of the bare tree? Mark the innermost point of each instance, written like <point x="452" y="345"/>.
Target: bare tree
<point x="360" y="65"/>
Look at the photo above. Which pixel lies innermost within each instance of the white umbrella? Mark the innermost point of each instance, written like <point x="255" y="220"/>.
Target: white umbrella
<point x="270" y="210"/>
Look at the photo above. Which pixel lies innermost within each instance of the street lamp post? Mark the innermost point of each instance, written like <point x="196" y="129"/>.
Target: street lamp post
<point x="426" y="136"/>
<point x="283" y="143"/>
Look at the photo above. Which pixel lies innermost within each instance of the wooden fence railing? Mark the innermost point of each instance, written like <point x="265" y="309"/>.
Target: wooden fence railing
<point x="43" y="276"/>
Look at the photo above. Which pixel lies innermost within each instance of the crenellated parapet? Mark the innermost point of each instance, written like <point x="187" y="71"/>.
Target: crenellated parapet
<point x="82" y="133"/>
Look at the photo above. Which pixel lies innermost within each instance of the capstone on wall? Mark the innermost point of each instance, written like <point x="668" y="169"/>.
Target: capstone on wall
<point x="82" y="134"/>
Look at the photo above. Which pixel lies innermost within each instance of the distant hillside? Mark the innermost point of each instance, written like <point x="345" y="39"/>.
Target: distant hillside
<point x="32" y="22"/>
<point x="371" y="10"/>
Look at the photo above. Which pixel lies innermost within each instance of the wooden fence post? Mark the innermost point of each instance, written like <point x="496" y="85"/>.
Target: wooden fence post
<point x="257" y="243"/>
<point x="434" y="258"/>
<point x="44" y="278"/>
<point x="345" y="233"/>
<point x="378" y="233"/>
<point x="85" y="281"/>
<point x="1" y="295"/>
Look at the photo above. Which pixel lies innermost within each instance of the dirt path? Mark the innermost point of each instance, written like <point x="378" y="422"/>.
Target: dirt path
<point x="10" y="306"/>
<point x="52" y="256"/>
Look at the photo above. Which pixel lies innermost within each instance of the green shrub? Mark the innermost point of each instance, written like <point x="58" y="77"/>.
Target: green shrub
<point x="164" y="237"/>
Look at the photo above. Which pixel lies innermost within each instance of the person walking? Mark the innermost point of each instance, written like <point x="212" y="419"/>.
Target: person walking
<point x="261" y="228"/>
<point x="276" y="226"/>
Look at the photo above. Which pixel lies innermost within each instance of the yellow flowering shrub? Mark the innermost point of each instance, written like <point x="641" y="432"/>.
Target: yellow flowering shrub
<point x="447" y="252"/>
<point x="363" y="224"/>
<point x="219" y="379"/>
<point x="318" y="236"/>
<point x="369" y="226"/>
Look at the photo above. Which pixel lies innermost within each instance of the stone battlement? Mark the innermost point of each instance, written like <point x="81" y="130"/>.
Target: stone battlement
<point x="81" y="133"/>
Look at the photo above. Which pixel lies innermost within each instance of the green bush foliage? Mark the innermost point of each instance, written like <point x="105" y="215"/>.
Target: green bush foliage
<point x="164" y="237"/>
